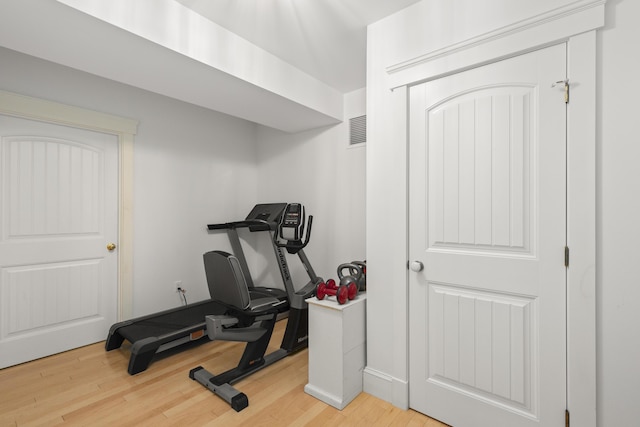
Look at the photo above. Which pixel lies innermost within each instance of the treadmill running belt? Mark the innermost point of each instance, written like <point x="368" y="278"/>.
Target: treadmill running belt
<point x="189" y="316"/>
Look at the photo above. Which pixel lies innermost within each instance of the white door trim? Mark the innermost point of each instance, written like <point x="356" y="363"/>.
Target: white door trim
<point x="552" y="27"/>
<point x="125" y="129"/>
<point x="580" y="35"/>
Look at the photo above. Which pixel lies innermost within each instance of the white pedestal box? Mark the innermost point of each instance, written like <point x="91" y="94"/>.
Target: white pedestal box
<point x="337" y="350"/>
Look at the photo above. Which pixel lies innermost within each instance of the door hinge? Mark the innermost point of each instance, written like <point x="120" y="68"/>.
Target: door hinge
<point x="566" y="89"/>
<point x="566" y="418"/>
<point x="566" y="256"/>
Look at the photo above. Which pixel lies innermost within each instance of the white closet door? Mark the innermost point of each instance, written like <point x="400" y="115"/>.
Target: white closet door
<point x="488" y="225"/>
<point x="58" y="213"/>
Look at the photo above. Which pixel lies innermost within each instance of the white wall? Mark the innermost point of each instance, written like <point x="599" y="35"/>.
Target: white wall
<point x="191" y="167"/>
<point x="618" y="230"/>
<point x="433" y="24"/>
<point x="319" y="169"/>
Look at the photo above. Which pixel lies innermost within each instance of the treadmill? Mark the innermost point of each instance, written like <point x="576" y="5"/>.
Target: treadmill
<point x="161" y="331"/>
<point x="263" y="217"/>
<point x="158" y="332"/>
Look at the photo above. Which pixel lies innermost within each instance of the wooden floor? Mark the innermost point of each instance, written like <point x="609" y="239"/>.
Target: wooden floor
<point x="90" y="387"/>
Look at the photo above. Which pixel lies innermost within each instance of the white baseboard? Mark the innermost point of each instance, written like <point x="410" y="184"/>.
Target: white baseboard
<point x="386" y="387"/>
<point x="338" y="402"/>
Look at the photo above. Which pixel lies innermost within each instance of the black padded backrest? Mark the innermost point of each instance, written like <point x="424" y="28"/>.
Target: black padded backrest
<point x="225" y="279"/>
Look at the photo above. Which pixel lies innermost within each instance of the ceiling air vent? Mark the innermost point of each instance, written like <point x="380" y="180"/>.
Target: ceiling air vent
<point x="358" y="130"/>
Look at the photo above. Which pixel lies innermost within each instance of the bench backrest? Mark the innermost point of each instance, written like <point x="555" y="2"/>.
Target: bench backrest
<point x="226" y="282"/>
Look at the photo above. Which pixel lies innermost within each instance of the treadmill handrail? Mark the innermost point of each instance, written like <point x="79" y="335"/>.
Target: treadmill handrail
<point x="256" y="224"/>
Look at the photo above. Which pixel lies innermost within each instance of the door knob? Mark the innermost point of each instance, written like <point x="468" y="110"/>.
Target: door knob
<point x="111" y="246"/>
<point x="416" y="266"/>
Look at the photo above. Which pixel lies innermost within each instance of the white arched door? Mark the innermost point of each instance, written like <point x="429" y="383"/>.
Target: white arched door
<point x="487" y="236"/>
<point x="58" y="213"/>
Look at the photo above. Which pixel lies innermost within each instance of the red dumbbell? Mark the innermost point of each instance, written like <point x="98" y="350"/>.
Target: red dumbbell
<point x="352" y="288"/>
<point x="341" y="293"/>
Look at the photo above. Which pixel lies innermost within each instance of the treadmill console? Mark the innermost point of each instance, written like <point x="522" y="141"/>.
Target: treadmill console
<point x="292" y="222"/>
<point x="293" y="230"/>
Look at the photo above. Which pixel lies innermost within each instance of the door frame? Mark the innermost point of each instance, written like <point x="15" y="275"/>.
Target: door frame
<point x="575" y="25"/>
<point x="21" y="106"/>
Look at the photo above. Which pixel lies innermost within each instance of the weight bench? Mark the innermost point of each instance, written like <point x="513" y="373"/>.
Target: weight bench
<point x="245" y="320"/>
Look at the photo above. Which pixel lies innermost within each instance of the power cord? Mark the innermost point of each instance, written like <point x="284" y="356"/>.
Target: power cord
<point x="183" y="294"/>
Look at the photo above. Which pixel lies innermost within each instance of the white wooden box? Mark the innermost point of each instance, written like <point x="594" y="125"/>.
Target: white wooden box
<point x="337" y="350"/>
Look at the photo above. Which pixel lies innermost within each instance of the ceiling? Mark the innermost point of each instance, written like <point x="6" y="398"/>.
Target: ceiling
<point x="280" y="63"/>
<point x="324" y="38"/>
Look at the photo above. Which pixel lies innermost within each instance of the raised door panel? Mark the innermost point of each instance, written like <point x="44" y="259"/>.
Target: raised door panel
<point x="480" y="156"/>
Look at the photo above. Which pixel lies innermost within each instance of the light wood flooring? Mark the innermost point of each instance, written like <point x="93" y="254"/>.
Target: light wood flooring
<point x="91" y="387"/>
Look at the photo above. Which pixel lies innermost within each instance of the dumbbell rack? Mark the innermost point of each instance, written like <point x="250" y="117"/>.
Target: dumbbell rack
<point x="337" y="348"/>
